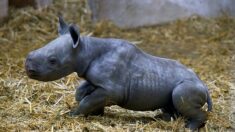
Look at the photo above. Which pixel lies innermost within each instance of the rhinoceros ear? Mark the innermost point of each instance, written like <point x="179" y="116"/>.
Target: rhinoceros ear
<point x="63" y="27"/>
<point x="75" y="34"/>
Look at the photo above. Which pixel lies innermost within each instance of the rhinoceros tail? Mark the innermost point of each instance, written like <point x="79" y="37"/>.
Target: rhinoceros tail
<point x="209" y="101"/>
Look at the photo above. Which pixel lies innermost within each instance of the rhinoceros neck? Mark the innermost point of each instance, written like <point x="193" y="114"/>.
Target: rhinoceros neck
<point x="89" y="49"/>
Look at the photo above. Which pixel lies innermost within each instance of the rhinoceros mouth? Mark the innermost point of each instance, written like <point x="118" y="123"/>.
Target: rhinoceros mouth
<point x="38" y="77"/>
<point x="33" y="75"/>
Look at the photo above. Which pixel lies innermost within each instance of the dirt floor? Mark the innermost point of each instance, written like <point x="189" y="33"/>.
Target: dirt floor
<point x="205" y="45"/>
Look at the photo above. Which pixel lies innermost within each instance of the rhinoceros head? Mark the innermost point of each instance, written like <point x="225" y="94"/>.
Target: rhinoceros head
<point x="55" y="60"/>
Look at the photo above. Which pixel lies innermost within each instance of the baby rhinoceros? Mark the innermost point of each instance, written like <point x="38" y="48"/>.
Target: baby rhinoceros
<point x="117" y="72"/>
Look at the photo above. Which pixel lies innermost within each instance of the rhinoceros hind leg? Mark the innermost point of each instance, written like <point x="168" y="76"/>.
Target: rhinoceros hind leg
<point x="188" y="99"/>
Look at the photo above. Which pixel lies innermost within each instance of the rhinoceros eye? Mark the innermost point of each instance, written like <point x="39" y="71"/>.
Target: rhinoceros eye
<point x="52" y="61"/>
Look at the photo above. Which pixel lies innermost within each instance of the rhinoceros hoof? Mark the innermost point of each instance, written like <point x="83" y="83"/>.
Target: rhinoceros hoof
<point x="194" y="125"/>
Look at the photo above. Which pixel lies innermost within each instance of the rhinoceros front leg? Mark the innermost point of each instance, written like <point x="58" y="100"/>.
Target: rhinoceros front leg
<point x="92" y="104"/>
<point x="168" y="112"/>
<point x="84" y="89"/>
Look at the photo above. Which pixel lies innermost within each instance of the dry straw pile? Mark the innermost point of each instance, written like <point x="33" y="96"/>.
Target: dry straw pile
<point x="205" y="45"/>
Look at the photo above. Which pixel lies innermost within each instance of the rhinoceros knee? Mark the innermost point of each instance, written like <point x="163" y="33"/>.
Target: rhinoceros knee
<point x="83" y="90"/>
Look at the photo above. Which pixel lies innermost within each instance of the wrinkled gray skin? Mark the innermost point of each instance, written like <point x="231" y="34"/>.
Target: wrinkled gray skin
<point x="117" y="72"/>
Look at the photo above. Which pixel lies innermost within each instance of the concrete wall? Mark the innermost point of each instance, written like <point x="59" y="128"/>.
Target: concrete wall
<point x="34" y="3"/>
<point x="134" y="13"/>
<point x="3" y="9"/>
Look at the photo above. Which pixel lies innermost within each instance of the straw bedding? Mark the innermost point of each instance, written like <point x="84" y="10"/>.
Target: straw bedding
<point x="205" y="45"/>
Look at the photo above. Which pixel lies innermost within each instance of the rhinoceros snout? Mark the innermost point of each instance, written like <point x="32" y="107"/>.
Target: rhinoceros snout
<point x="30" y="67"/>
<point x="30" y="71"/>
